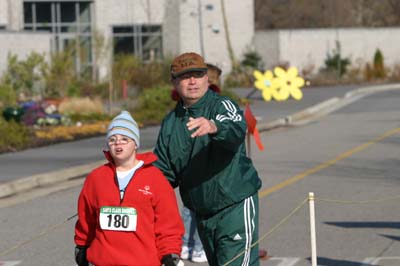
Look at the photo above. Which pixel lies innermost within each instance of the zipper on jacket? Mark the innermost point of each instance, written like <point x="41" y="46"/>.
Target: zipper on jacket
<point x="121" y="197"/>
<point x="123" y="192"/>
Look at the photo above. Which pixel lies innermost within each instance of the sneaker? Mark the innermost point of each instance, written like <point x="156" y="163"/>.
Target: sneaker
<point x="185" y="253"/>
<point x="199" y="256"/>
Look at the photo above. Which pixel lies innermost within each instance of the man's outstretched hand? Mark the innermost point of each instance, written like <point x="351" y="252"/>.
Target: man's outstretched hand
<point x="202" y="126"/>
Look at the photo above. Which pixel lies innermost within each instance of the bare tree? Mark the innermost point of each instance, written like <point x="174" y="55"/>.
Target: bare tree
<point x="272" y="14"/>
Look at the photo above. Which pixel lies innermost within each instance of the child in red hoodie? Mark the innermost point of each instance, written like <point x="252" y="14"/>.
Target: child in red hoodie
<point x="128" y="214"/>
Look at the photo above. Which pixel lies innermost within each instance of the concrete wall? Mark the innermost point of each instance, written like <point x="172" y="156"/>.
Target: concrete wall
<point x="12" y="14"/>
<point x="16" y="43"/>
<point x="171" y="30"/>
<point x="267" y="45"/>
<point x="3" y="13"/>
<point x="240" y="19"/>
<point x="308" y="48"/>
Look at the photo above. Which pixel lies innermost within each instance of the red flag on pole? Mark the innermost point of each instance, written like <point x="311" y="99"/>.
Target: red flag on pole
<point x="251" y="127"/>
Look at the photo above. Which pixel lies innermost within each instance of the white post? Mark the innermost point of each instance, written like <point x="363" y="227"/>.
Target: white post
<point x="312" y="229"/>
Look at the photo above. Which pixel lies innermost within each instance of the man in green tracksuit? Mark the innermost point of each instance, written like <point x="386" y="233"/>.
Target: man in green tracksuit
<point x="201" y="149"/>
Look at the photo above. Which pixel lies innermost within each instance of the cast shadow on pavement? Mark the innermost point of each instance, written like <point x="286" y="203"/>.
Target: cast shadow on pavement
<point x="332" y="262"/>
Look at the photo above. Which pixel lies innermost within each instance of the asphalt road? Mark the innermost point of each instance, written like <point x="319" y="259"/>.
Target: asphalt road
<point x="348" y="158"/>
<point x="59" y="156"/>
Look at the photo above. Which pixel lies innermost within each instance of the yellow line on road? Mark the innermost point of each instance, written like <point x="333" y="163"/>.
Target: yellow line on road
<point x="326" y="164"/>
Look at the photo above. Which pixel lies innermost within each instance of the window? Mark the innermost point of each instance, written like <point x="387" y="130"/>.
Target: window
<point x="68" y="12"/>
<point x="70" y="24"/>
<point x="144" y="41"/>
<point x="43" y="13"/>
<point x="28" y="13"/>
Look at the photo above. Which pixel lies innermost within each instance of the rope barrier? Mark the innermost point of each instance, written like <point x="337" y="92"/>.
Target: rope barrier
<point x="357" y="202"/>
<point x="310" y="198"/>
<point x="266" y="235"/>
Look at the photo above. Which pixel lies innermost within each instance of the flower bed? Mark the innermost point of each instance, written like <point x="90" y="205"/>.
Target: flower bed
<point x="64" y="133"/>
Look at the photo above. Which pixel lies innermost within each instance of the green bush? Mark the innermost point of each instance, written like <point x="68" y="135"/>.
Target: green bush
<point x="92" y="89"/>
<point x="153" y="105"/>
<point x="138" y="74"/>
<point x="379" y="66"/>
<point x="14" y="136"/>
<point x="26" y="76"/>
<point x="8" y="96"/>
<point x="151" y="74"/>
<point x="239" y="78"/>
<point x="123" y="68"/>
<point x="335" y="61"/>
<point x="253" y="60"/>
<point x="60" y="75"/>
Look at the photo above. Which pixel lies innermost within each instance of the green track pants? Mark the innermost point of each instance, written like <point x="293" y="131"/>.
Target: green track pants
<point x="229" y="235"/>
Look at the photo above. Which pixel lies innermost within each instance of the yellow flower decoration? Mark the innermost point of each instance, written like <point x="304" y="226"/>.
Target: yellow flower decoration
<point x="289" y="83"/>
<point x="267" y="84"/>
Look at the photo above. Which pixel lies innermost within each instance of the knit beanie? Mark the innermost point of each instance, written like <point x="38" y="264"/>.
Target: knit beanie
<point x="124" y="124"/>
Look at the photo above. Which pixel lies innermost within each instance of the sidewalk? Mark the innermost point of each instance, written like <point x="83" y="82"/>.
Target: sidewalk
<point x="25" y="170"/>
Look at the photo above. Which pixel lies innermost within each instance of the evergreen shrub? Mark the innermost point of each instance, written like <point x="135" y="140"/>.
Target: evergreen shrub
<point x="153" y="105"/>
<point x="379" y="66"/>
<point x="14" y="136"/>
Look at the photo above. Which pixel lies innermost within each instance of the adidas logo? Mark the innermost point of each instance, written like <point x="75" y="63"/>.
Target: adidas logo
<point x="237" y="237"/>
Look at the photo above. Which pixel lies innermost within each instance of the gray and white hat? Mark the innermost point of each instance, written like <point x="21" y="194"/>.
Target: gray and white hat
<point x="124" y="124"/>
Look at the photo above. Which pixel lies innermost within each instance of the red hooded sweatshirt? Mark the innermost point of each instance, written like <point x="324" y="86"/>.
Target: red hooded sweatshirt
<point x="137" y="230"/>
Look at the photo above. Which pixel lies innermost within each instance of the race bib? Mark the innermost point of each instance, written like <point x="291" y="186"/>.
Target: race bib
<point x="118" y="218"/>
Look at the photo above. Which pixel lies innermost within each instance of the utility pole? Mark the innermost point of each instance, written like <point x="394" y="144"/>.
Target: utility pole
<point x="228" y="39"/>
<point x="200" y="17"/>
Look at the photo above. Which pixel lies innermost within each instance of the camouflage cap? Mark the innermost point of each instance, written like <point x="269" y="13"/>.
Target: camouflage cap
<point x="187" y="62"/>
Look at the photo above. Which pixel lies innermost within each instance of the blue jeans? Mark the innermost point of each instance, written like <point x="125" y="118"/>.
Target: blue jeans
<point x="191" y="237"/>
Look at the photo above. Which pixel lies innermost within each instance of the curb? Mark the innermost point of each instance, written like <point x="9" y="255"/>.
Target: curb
<point x="316" y="111"/>
<point x="306" y="114"/>
<point x="311" y="113"/>
<point x="46" y="179"/>
<point x="373" y="89"/>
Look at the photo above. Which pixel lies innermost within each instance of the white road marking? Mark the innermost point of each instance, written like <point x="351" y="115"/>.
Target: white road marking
<point x="284" y="261"/>
<point x="377" y="260"/>
<point x="9" y="263"/>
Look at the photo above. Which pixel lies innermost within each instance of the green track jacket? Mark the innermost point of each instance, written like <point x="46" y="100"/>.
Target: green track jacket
<point x="212" y="171"/>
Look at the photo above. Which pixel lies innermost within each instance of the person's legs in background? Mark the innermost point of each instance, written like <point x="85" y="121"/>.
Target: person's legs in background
<point x="192" y="248"/>
<point x="187" y="221"/>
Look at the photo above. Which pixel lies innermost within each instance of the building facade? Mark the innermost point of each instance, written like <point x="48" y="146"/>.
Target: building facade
<point x="97" y="30"/>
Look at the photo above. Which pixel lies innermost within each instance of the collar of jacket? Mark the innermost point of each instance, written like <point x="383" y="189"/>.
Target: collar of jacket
<point x="193" y="109"/>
